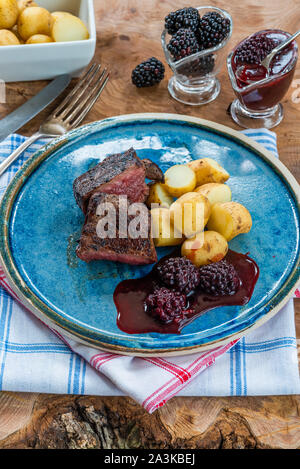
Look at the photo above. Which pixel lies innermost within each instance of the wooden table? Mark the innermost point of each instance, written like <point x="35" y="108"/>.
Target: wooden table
<point x="129" y="32"/>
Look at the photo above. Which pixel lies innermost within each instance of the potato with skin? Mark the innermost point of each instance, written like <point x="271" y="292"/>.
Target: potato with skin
<point x="208" y="170"/>
<point x="205" y="248"/>
<point x="190" y="213"/>
<point x="15" y="31"/>
<point x="8" y="38"/>
<point x="162" y="229"/>
<point x="179" y="179"/>
<point x="215" y="192"/>
<point x="34" y="20"/>
<point x="159" y="195"/>
<point x="67" y="27"/>
<point x="39" y="39"/>
<point x="8" y="13"/>
<point x="230" y="219"/>
<point x="22" y="4"/>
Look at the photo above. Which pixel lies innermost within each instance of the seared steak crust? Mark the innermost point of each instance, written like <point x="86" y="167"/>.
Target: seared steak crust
<point x="153" y="171"/>
<point x="122" y="173"/>
<point x="119" y="248"/>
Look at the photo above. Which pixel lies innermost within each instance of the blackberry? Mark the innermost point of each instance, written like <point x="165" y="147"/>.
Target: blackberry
<point x="167" y="306"/>
<point x="219" y="279"/>
<point x="213" y="29"/>
<point x="183" y="44"/>
<point x="254" y="49"/>
<point x="183" y="18"/>
<point x="206" y="64"/>
<point x="148" y="73"/>
<point x="179" y="273"/>
<point x="200" y="66"/>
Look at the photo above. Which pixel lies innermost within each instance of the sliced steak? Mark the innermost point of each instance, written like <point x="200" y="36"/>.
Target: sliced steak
<point x="153" y="171"/>
<point x="122" y="173"/>
<point x="121" y="247"/>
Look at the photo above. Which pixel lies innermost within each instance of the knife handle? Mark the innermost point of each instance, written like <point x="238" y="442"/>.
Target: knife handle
<point x="14" y="155"/>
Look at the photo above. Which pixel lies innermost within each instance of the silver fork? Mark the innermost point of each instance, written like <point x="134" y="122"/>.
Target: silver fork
<point x="70" y="112"/>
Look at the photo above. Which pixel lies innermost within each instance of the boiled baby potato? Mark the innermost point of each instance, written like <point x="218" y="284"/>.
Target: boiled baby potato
<point x="39" y="39"/>
<point x="215" y="192"/>
<point x="190" y="213"/>
<point x="22" y="4"/>
<point x="8" y="13"/>
<point x="208" y="170"/>
<point x="59" y="14"/>
<point x="179" y="179"/>
<point x="34" y="20"/>
<point x="162" y="228"/>
<point x="230" y="219"/>
<point x="159" y="195"/>
<point x="14" y="30"/>
<point x="205" y="248"/>
<point x="67" y="27"/>
<point x="8" y="38"/>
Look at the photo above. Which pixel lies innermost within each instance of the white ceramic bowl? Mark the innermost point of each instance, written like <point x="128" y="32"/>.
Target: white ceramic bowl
<point x="44" y="61"/>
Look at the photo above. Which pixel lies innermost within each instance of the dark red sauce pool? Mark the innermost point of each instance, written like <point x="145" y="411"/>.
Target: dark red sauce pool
<point x="129" y="298"/>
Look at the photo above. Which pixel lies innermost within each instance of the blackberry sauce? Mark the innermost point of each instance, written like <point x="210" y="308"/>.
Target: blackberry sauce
<point x="267" y="95"/>
<point x="130" y="295"/>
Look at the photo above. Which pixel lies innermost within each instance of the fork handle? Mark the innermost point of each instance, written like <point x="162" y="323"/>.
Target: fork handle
<point x="14" y="155"/>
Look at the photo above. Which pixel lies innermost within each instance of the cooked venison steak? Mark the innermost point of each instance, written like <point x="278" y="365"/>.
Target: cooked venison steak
<point x="121" y="247"/>
<point x="122" y="173"/>
<point x="153" y="171"/>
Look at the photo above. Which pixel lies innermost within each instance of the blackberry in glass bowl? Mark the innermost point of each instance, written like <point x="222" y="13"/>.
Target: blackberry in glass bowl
<point x="183" y="18"/>
<point x="183" y="44"/>
<point x="195" y="55"/>
<point x="213" y="29"/>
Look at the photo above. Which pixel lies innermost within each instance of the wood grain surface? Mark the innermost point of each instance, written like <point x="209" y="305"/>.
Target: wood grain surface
<point x="128" y="31"/>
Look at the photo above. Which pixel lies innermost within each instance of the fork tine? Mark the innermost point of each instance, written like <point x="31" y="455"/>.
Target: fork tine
<point x="85" y="98"/>
<point x="90" y="100"/>
<point x="74" y="90"/>
<point x="93" y="99"/>
<point x="76" y="97"/>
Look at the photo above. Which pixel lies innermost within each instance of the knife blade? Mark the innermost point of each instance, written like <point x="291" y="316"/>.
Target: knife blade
<point x="33" y="106"/>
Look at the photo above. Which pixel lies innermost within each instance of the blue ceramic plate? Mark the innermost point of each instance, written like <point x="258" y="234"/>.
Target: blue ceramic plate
<point x="40" y="223"/>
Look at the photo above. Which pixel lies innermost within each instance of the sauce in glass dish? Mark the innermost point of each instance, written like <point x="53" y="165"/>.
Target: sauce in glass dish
<point x="256" y="88"/>
<point x="130" y="295"/>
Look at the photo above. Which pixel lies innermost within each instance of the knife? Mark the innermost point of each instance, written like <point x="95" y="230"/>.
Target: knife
<point x="33" y="106"/>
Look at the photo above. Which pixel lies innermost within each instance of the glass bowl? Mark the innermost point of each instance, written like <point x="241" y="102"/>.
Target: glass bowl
<point x="194" y="79"/>
<point x="258" y="103"/>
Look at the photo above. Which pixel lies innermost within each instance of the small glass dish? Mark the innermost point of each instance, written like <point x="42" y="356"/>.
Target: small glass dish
<point x="195" y="77"/>
<point x="258" y="103"/>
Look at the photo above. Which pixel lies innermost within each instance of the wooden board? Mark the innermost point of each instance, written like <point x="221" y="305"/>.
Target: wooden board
<point x="128" y="31"/>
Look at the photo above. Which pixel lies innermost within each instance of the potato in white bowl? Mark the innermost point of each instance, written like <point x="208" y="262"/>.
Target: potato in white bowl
<point x="8" y="13"/>
<point x="36" y="58"/>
